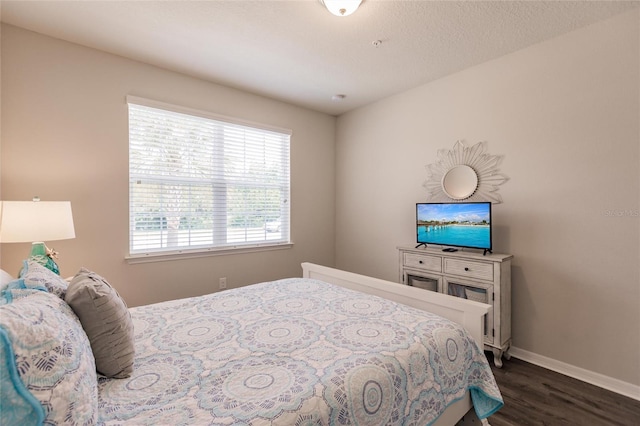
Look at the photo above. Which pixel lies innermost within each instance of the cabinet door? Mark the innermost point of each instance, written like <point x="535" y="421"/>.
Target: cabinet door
<point x="422" y="280"/>
<point x="477" y="292"/>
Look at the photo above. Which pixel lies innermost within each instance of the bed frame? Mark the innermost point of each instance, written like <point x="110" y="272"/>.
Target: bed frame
<point x="465" y="312"/>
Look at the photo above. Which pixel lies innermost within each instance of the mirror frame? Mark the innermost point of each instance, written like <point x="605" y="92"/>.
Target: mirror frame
<point x="451" y="177"/>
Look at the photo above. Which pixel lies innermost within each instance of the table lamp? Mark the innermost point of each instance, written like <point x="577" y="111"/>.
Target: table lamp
<point x="37" y="221"/>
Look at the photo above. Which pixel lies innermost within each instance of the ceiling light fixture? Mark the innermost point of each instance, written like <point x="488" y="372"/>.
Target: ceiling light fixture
<point x="341" y="7"/>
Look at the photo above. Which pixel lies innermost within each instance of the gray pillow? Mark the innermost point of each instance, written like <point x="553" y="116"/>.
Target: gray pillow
<point x="106" y="320"/>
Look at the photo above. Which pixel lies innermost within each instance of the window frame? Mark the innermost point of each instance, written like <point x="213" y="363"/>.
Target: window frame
<point x="161" y="254"/>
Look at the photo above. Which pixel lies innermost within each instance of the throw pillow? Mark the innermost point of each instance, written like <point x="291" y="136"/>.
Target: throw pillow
<point x="47" y="372"/>
<point x="106" y="320"/>
<point x="5" y="279"/>
<point x="36" y="275"/>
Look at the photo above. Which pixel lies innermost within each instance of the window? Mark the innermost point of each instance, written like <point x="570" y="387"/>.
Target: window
<point x="200" y="182"/>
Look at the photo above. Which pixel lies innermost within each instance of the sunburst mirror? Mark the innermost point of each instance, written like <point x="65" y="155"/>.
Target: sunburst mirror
<point x="465" y="173"/>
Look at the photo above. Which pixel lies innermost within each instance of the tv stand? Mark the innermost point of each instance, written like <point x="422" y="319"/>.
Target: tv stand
<point x="480" y="277"/>
<point x="485" y="252"/>
<point x="422" y="244"/>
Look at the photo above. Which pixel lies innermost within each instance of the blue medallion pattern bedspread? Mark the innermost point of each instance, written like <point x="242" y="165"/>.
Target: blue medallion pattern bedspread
<point x="293" y="352"/>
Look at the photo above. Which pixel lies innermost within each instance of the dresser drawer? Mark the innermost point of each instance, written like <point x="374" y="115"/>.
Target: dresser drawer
<point x="468" y="268"/>
<point x="423" y="261"/>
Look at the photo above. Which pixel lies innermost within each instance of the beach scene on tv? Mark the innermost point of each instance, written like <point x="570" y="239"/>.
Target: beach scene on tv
<point x="455" y="224"/>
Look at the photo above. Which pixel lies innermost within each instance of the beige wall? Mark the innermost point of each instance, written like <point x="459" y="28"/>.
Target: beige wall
<point x="565" y="115"/>
<point x="65" y="137"/>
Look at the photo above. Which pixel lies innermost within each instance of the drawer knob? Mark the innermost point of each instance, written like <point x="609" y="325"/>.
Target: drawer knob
<point x="466" y="268"/>
<point x="420" y="262"/>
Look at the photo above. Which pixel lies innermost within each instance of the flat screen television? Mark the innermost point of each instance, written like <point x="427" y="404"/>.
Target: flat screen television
<point x="454" y="225"/>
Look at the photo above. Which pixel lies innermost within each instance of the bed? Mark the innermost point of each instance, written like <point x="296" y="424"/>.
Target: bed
<point x="331" y="347"/>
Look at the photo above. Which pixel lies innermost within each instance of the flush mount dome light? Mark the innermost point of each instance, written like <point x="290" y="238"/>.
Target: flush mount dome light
<point x="341" y="7"/>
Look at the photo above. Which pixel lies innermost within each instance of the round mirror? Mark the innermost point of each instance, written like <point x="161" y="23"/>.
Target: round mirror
<point x="460" y="182"/>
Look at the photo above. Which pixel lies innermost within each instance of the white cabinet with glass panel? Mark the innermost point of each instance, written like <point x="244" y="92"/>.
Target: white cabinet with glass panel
<point x="474" y="276"/>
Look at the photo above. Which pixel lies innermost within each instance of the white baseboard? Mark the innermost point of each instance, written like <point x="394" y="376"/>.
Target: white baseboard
<point x="597" y="379"/>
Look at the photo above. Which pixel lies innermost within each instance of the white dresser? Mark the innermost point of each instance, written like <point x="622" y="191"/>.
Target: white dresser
<point x="484" y="278"/>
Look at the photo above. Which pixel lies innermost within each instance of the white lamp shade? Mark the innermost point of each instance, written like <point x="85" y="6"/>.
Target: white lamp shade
<point x="29" y="221"/>
<point x="341" y="7"/>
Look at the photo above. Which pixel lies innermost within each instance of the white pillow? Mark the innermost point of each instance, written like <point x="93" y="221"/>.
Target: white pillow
<point x="5" y="279"/>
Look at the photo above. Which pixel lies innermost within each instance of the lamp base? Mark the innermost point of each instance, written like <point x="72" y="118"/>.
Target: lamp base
<point x="39" y="254"/>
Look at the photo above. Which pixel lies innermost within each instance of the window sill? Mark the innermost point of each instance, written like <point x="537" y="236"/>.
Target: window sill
<point x="195" y="253"/>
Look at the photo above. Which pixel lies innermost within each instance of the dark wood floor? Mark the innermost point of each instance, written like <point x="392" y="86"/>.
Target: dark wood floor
<point x="537" y="396"/>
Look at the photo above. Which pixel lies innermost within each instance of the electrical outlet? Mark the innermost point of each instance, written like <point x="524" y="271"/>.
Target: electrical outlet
<point x="223" y="283"/>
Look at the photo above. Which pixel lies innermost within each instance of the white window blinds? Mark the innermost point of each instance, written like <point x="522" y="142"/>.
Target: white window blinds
<point x="199" y="181"/>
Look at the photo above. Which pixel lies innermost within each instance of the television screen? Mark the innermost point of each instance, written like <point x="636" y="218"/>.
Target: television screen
<point x="454" y="224"/>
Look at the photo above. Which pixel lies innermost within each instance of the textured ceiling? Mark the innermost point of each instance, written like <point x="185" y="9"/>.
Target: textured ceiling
<point x="296" y="51"/>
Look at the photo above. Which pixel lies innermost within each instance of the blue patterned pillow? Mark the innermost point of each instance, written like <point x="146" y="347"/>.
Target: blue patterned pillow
<point x="16" y="289"/>
<point x="34" y="275"/>
<point x="48" y="370"/>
